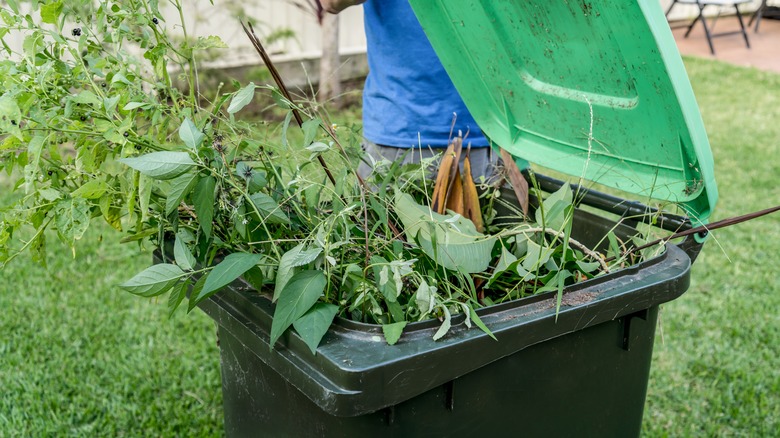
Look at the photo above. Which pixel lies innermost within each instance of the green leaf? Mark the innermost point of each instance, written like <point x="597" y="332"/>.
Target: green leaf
<point x="87" y="98"/>
<point x="109" y="103"/>
<point x="144" y="195"/>
<point x="51" y="12"/>
<point x="588" y="267"/>
<point x="393" y="331"/>
<point x="536" y="256"/>
<point x="111" y="213"/>
<point x="450" y="240"/>
<point x="255" y="277"/>
<point x="445" y="325"/>
<point x="32" y="44"/>
<point x="182" y="254"/>
<point x="10" y="116"/>
<point x="559" y="281"/>
<point x="190" y="134"/>
<point x="134" y="105"/>
<point x="552" y="213"/>
<point x="310" y="128"/>
<point x="38" y="249"/>
<point x="72" y="219"/>
<point x="140" y="235"/>
<point x="153" y="280"/>
<point x="425" y="297"/>
<point x="209" y="42"/>
<point x="50" y="194"/>
<point x="297" y="256"/>
<point x="505" y="262"/>
<point x="298" y="296"/>
<point x="161" y="165"/>
<point x="281" y="102"/>
<point x="179" y="188"/>
<point x="270" y="210"/>
<point x="316" y="149"/>
<point x="14" y="5"/>
<point x="313" y="325"/>
<point x="204" y="203"/>
<point x="34" y="149"/>
<point x="226" y="271"/>
<point x="92" y="189"/>
<point x="480" y="324"/>
<point x="196" y="291"/>
<point x="242" y="98"/>
<point x="177" y="296"/>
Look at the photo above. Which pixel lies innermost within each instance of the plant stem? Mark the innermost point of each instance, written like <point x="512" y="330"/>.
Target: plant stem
<point x="193" y="76"/>
<point x="29" y="242"/>
<point x="560" y="235"/>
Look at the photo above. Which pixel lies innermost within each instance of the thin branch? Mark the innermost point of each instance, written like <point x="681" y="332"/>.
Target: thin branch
<point x="282" y="88"/>
<point x="702" y="229"/>
<point x="590" y="253"/>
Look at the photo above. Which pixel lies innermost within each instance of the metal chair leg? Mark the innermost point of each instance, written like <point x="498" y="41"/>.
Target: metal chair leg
<point x="757" y="15"/>
<point x="669" y="9"/>
<point x="742" y="26"/>
<point x="693" y="23"/>
<point x="706" y="29"/>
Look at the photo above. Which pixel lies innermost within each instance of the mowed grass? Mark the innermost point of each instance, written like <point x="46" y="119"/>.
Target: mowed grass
<point x="716" y="368"/>
<point x="80" y="357"/>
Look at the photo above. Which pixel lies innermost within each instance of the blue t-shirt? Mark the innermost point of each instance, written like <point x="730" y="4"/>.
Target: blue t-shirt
<point x="407" y="90"/>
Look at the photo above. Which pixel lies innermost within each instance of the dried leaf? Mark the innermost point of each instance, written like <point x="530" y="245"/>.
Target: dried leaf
<point x="471" y="197"/>
<point x="455" y="195"/>
<point x="442" y="180"/>
<point x="519" y="184"/>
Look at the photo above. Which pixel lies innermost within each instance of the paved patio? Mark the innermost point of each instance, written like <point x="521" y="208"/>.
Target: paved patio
<point x="764" y="51"/>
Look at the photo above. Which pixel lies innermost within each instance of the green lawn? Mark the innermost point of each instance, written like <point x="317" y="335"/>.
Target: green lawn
<point x="80" y="357"/>
<point x="716" y="369"/>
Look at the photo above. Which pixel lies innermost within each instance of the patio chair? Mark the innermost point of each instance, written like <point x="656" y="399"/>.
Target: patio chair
<point x="757" y="15"/>
<point x="703" y="4"/>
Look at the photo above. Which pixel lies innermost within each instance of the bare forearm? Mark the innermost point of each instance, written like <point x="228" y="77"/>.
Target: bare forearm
<point x="336" y="6"/>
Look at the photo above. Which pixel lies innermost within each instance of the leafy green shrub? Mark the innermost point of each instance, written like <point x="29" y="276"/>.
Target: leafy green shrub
<point x="92" y="119"/>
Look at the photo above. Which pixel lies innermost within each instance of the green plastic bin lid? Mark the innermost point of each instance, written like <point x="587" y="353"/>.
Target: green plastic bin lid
<point x="591" y="89"/>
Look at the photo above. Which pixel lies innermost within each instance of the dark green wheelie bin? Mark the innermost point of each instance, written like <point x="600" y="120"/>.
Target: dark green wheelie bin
<point x="596" y="90"/>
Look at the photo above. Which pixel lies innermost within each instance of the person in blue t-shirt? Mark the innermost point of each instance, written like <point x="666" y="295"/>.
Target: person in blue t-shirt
<point x="409" y="100"/>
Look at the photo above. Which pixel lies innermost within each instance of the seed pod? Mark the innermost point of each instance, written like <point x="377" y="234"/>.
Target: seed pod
<point x="471" y="208"/>
<point x="442" y="180"/>
<point x="455" y="199"/>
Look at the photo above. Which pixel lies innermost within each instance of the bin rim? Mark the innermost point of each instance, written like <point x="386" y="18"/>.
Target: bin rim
<point x="595" y="90"/>
<point x="355" y="372"/>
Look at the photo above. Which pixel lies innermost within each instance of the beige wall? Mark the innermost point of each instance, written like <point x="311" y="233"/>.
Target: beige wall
<point x="204" y="19"/>
<point x="269" y="15"/>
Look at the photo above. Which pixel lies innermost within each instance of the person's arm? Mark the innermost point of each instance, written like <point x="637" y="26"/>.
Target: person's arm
<point x="336" y="6"/>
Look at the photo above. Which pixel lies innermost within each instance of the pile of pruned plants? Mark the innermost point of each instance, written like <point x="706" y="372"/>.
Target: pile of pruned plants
<point x="102" y="119"/>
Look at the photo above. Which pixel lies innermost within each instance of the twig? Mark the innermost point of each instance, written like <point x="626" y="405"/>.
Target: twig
<point x="702" y="229"/>
<point x="250" y="32"/>
<point x="592" y="254"/>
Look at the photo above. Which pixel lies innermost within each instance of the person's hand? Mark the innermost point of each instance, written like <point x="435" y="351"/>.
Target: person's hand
<point x="336" y="6"/>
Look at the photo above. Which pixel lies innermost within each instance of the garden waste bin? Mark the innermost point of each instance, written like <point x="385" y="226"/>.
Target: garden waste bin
<point x="596" y="90"/>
